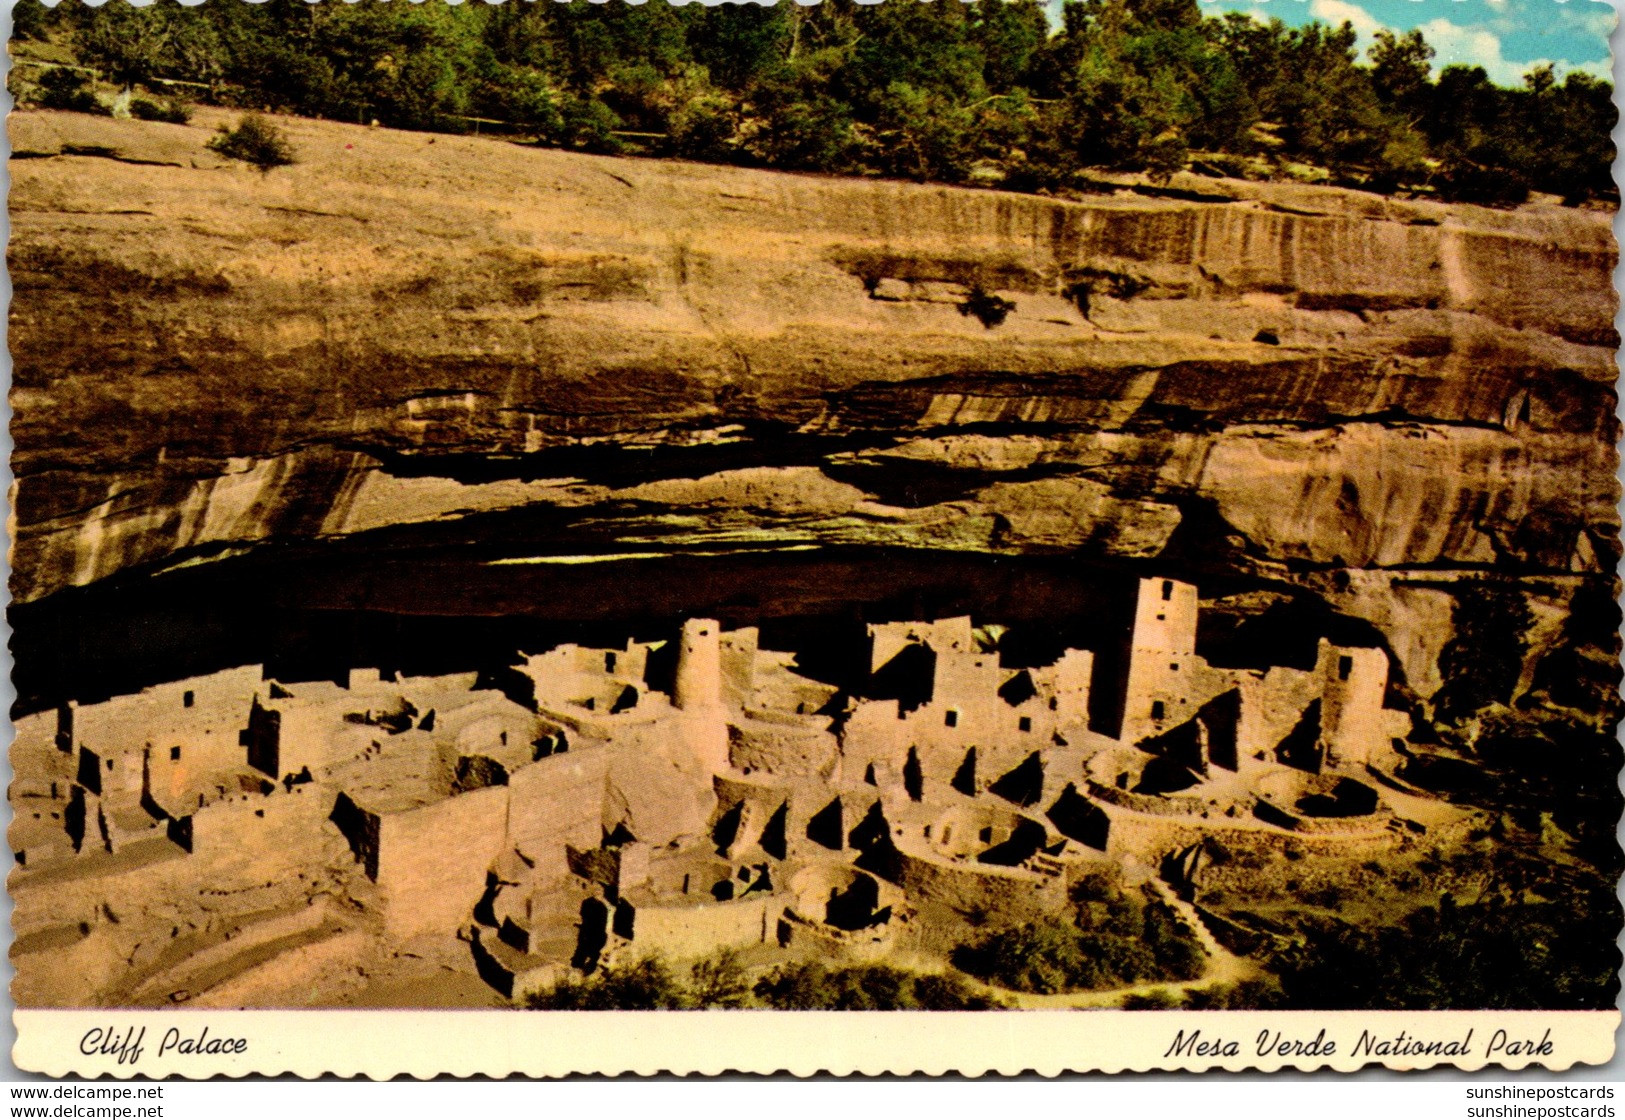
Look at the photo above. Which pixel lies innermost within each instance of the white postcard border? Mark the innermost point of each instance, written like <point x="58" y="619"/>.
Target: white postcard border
<point x="379" y="1044"/>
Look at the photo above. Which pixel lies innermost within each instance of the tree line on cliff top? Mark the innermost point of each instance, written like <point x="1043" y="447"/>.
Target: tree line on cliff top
<point x="989" y="92"/>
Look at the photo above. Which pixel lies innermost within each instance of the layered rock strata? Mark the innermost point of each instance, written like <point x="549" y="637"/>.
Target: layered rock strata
<point x="1284" y="381"/>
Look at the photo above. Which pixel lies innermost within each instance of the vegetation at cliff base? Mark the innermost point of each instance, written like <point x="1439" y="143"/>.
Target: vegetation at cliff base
<point x="817" y="987"/>
<point x="1493" y="953"/>
<point x="648" y="984"/>
<point x="1113" y="943"/>
<point x="719" y="981"/>
<point x="990" y="92"/>
<point x="1482" y="661"/>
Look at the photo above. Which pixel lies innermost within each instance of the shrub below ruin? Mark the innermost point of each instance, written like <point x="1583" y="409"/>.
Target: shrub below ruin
<point x="1504" y="952"/>
<point x="816" y="987"/>
<point x="719" y="981"/>
<point x="1124" y="944"/>
<point x="644" y="985"/>
<point x="1259" y="993"/>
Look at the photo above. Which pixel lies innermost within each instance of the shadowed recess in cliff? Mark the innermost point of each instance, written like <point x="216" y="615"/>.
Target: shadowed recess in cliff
<point x="318" y="611"/>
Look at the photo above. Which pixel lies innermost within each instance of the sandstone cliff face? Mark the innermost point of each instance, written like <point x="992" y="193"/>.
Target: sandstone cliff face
<point x="1284" y="381"/>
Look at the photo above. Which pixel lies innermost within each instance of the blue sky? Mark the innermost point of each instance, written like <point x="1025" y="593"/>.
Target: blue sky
<point x="1505" y="37"/>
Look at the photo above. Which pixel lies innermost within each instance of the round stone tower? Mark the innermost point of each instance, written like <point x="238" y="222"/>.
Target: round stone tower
<point x="699" y="666"/>
<point x="702" y="719"/>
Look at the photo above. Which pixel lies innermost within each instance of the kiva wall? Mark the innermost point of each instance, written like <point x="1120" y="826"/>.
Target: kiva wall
<point x="975" y="886"/>
<point x="784" y="747"/>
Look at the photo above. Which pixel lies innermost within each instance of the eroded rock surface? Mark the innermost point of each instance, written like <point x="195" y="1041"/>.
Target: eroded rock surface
<point x="403" y="328"/>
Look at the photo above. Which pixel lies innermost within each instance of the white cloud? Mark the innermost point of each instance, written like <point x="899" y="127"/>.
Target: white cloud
<point x="1590" y="17"/>
<point x="1471" y="46"/>
<point x="1475" y="46"/>
<point x="1339" y="12"/>
<point x="1454" y="44"/>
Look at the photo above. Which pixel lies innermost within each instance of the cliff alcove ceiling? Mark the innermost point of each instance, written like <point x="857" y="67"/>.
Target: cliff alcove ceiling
<point x="473" y="351"/>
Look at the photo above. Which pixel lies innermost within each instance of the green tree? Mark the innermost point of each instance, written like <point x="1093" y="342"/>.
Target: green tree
<point x="1045" y="956"/>
<point x="736" y="43"/>
<point x="1325" y="103"/>
<point x="923" y="135"/>
<point x="1570" y="126"/>
<point x="32" y="19"/>
<point x="1482" y="157"/>
<point x="720" y="981"/>
<point x="62" y="88"/>
<point x="927" y="91"/>
<point x="254" y="140"/>
<point x="1401" y="69"/>
<point x="1008" y="35"/>
<point x="133" y="45"/>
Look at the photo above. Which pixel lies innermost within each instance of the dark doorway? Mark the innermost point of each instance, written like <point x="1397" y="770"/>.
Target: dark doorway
<point x="1024" y="784"/>
<point x="1075" y="816"/>
<point x="774" y="841"/>
<point x="90" y="771"/>
<point x="965" y="777"/>
<point x="828" y="827"/>
<point x="1219" y="718"/>
<point x="594" y="934"/>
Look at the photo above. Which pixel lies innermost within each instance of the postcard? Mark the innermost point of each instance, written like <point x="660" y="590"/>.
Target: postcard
<point x="909" y="537"/>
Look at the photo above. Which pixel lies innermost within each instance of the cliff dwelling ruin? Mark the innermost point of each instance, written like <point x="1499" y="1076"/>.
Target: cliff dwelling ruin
<point x="360" y="603"/>
<point x="232" y="839"/>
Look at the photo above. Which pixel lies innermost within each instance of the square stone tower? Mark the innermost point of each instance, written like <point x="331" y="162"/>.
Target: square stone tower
<point x="1353" y="683"/>
<point x="1161" y="657"/>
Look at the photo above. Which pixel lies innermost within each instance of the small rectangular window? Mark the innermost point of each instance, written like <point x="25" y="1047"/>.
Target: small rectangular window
<point x="1345" y="666"/>
<point x="1156" y="709"/>
<point x="1174" y="665"/>
<point x="109" y="764"/>
<point x="1026" y="723"/>
<point x="187" y="698"/>
<point x="1167" y="590"/>
<point x="174" y="754"/>
<point x="609" y="662"/>
<point x="951" y="719"/>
